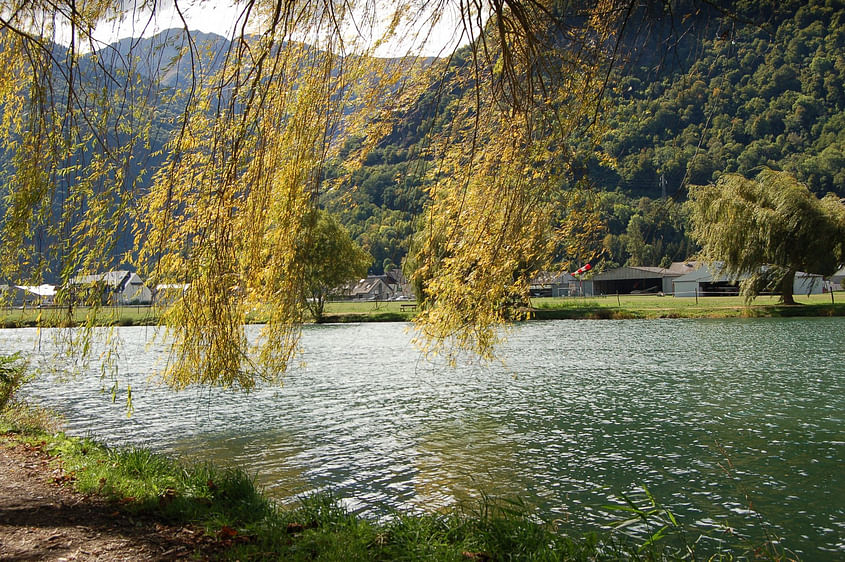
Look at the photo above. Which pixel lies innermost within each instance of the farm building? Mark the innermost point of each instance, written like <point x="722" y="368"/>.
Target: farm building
<point x="709" y="281"/>
<point x="808" y="284"/>
<point x="631" y="280"/>
<point x="705" y="282"/>
<point x="837" y="280"/>
<point x="27" y="295"/>
<point x="551" y="284"/>
<point x="40" y="294"/>
<point x="113" y="287"/>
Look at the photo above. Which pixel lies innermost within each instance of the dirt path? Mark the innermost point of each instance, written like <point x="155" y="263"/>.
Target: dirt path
<point x="42" y="520"/>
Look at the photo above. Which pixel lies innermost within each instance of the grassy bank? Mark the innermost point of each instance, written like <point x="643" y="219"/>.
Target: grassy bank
<point x="237" y="522"/>
<point x="621" y="306"/>
<point x="606" y="307"/>
<point x="242" y="524"/>
<point x="16" y="317"/>
<point x="654" y="306"/>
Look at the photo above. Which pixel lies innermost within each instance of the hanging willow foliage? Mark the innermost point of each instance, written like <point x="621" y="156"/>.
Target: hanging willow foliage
<point x="504" y="167"/>
<point x="229" y="200"/>
<point x="762" y="231"/>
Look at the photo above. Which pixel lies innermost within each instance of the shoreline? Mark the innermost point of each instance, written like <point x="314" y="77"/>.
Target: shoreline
<point x="617" y="307"/>
<point x="73" y="498"/>
<point x="46" y="518"/>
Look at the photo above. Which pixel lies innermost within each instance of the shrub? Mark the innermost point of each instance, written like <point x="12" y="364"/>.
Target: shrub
<point x="13" y="375"/>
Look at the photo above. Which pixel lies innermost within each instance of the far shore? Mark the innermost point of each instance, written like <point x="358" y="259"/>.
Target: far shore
<point x="547" y="308"/>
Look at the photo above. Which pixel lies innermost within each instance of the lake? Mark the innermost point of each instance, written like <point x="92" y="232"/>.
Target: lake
<point x="735" y="425"/>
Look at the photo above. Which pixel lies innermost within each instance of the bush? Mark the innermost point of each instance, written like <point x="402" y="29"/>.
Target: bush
<point x="13" y="375"/>
<point x="20" y="417"/>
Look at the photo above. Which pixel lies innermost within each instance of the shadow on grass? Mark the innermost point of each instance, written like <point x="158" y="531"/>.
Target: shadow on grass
<point x="366" y="317"/>
<point x="796" y="310"/>
<point x="585" y="313"/>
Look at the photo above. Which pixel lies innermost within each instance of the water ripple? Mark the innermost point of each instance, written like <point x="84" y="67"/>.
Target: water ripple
<point x="732" y="424"/>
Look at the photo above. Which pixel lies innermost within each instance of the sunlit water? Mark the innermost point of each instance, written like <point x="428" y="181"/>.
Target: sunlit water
<point x="732" y="424"/>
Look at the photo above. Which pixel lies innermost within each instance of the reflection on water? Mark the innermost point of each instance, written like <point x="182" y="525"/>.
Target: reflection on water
<point x="268" y="455"/>
<point x="714" y="416"/>
<point x="458" y="458"/>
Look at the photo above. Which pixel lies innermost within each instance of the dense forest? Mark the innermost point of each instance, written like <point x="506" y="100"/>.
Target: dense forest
<point x="718" y="93"/>
<point x="707" y="93"/>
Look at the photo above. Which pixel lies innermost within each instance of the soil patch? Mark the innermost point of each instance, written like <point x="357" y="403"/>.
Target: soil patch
<point x="41" y="518"/>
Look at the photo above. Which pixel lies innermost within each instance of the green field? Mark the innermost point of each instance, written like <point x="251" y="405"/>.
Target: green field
<point x="654" y="306"/>
<point x="622" y="306"/>
<point x="16" y="317"/>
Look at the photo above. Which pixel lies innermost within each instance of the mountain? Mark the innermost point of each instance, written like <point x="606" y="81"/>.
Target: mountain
<point x="166" y="56"/>
<point x="702" y="92"/>
<point x="744" y="96"/>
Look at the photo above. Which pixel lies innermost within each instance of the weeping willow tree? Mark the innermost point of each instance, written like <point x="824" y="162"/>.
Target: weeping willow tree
<point x="232" y="189"/>
<point x="504" y="167"/>
<point x="764" y="230"/>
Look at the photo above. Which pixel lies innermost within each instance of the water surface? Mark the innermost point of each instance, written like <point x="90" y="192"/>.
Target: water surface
<point x="732" y="424"/>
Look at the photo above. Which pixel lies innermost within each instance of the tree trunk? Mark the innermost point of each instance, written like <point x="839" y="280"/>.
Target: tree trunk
<point x="786" y="286"/>
<point x="319" y="305"/>
<point x="315" y="306"/>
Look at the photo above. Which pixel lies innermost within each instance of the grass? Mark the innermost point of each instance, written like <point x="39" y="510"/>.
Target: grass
<point x="13" y="317"/>
<point x="369" y="311"/>
<point x="654" y="306"/>
<point x="606" y="307"/>
<point x="54" y="317"/>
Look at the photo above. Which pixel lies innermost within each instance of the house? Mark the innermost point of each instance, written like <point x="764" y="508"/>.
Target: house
<point x="373" y="288"/>
<point x="119" y="287"/>
<point x="551" y="284"/>
<point x="391" y="285"/>
<point x="398" y="283"/>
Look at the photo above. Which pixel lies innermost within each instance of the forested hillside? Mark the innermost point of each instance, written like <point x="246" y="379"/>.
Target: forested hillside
<point x="753" y="96"/>
<point x="718" y="93"/>
<point x="708" y="92"/>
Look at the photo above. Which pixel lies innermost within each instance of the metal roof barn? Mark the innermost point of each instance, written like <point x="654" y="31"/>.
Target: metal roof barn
<point x="629" y="280"/>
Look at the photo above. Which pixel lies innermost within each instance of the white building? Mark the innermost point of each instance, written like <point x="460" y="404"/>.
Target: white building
<point x="119" y="287"/>
<point x="709" y="281"/>
<point x="837" y="280"/>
